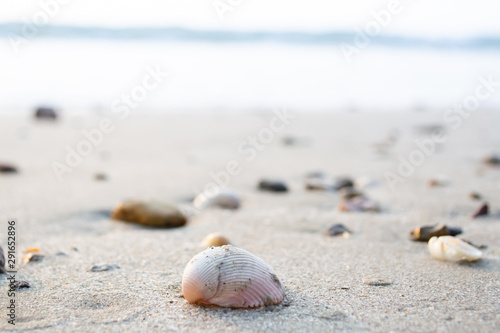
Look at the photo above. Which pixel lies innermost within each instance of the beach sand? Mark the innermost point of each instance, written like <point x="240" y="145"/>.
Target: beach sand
<point x="168" y="157"/>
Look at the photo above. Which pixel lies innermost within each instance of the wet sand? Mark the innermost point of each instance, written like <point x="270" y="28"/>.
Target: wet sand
<point x="167" y="157"/>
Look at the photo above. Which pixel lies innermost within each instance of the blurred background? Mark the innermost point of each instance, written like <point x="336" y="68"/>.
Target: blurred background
<point x="248" y="54"/>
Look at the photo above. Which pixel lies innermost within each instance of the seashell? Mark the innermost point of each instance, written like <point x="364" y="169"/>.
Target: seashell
<point x="453" y="249"/>
<point x="272" y="186"/>
<point x="475" y="196"/>
<point x="223" y="198"/>
<point x="2" y="262"/>
<point x="215" y="239"/>
<point x="481" y="211"/>
<point x="423" y="234"/>
<point x="153" y="214"/>
<point x="228" y="276"/>
<point x="492" y="160"/>
<point x="44" y="112"/>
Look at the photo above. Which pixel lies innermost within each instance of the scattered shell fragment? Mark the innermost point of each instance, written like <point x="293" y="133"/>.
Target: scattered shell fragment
<point x="103" y="268"/>
<point x="272" y="186"/>
<point x="325" y="184"/>
<point x="2" y="262"/>
<point x="153" y="214"/>
<point x="7" y="168"/>
<point x="338" y="229"/>
<point x="359" y="203"/>
<point x="223" y="198"/>
<point x="228" y="276"/>
<point x="452" y="249"/>
<point x="423" y="234"/>
<point x="347" y="193"/>
<point x="215" y="239"/>
<point x="484" y="209"/>
<point x="20" y="285"/>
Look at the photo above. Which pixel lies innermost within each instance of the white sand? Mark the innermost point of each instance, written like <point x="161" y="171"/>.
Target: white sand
<point x="166" y="157"/>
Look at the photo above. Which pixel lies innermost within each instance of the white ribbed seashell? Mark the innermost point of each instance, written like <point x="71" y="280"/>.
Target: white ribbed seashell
<point x="223" y="198"/>
<point x="452" y="249"/>
<point x="230" y="277"/>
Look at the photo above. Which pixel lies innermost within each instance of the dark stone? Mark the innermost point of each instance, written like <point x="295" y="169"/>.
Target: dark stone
<point x="481" y="211"/>
<point x="272" y="186"/>
<point x="337" y="229"/>
<point x="492" y="160"/>
<point x="45" y="113"/>
<point x="100" y="177"/>
<point x="341" y="183"/>
<point x="20" y="285"/>
<point x="7" y="168"/>
<point x="2" y="261"/>
<point x="423" y="234"/>
<point x="103" y="268"/>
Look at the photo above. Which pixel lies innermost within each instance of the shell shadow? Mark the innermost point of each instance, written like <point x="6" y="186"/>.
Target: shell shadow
<point x="484" y="264"/>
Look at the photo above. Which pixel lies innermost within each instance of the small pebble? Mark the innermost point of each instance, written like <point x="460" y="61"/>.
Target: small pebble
<point x="32" y="257"/>
<point x="338" y="229"/>
<point x="475" y="196"/>
<point x="377" y="282"/>
<point x="100" y="177"/>
<point x="423" y="234"/>
<point x="153" y="214"/>
<point x="272" y="186"/>
<point x="223" y="198"/>
<point x="45" y="113"/>
<point x="2" y="262"/>
<point x="359" y="203"/>
<point x="103" y="268"/>
<point x="7" y="168"/>
<point x="483" y="210"/>
<point x="492" y="160"/>
<point x="215" y="239"/>
<point x="20" y="285"/>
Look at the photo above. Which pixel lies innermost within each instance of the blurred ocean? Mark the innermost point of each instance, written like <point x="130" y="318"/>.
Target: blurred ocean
<point x="90" y="67"/>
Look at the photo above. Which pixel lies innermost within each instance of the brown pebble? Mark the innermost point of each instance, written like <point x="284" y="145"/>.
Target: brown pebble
<point x="423" y="234"/>
<point x="153" y="214"/>
<point x="481" y="211"/>
<point x="215" y="239"/>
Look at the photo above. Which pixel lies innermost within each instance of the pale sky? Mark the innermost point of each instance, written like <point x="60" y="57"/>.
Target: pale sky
<point x="449" y="18"/>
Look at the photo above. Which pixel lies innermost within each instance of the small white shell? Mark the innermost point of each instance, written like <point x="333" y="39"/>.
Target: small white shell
<point x="223" y="198"/>
<point x="452" y="249"/>
<point x="230" y="277"/>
